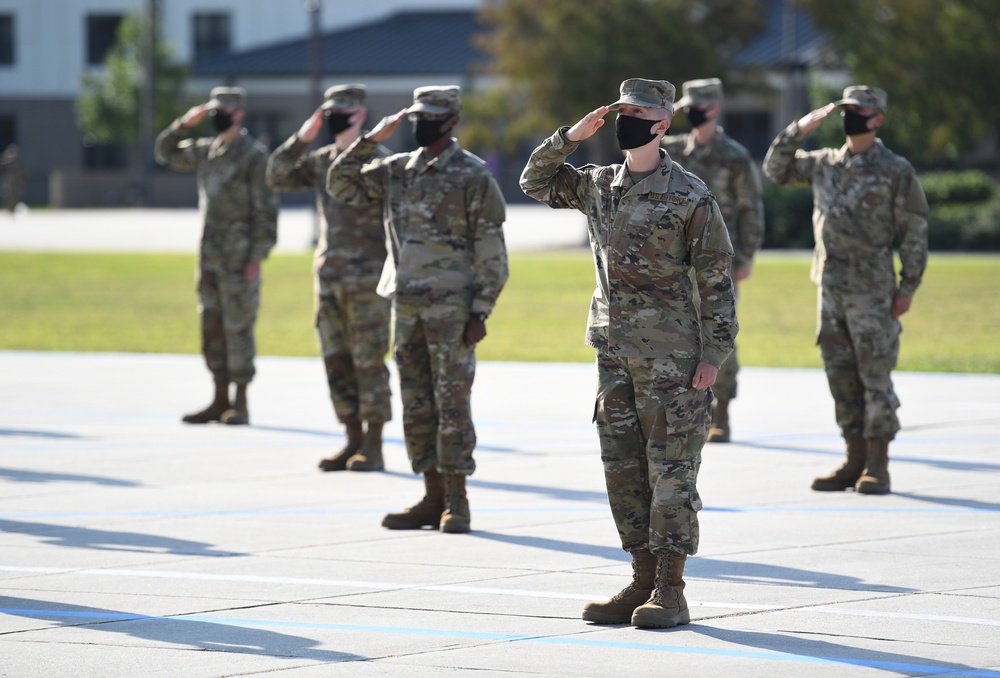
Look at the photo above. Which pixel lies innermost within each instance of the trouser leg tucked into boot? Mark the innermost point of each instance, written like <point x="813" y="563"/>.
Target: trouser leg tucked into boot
<point x="426" y="512"/>
<point x="875" y="478"/>
<point x="666" y="607"/>
<point x="338" y="462"/>
<point x="238" y="414"/>
<point x="456" y="516"/>
<point x="719" y="432"/>
<point x="619" y="608"/>
<point x="849" y="472"/>
<point x="369" y="458"/>
<point x="220" y="405"/>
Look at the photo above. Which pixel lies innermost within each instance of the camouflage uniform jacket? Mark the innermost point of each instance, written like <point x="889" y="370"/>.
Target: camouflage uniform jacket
<point x="861" y="204"/>
<point x="732" y="176"/>
<point x="351" y="247"/>
<point x="445" y="217"/>
<point x="239" y="209"/>
<point x="648" y="238"/>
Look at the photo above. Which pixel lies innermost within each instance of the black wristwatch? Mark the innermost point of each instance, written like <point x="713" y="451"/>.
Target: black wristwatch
<point x="481" y="317"/>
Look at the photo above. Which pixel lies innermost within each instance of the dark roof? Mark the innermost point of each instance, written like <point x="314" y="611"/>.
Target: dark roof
<point x="767" y="49"/>
<point x="406" y="42"/>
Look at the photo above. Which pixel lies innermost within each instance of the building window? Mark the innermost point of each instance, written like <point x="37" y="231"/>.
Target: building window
<point x="104" y="156"/>
<point x="8" y="131"/>
<point x="102" y="33"/>
<point x="6" y="39"/>
<point x="212" y="35"/>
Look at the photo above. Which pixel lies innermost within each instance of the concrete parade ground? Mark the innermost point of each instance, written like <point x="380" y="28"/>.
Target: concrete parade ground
<point x="134" y="545"/>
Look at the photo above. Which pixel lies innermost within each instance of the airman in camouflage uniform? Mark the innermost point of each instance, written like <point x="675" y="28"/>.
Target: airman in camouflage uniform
<point x="663" y="320"/>
<point x="240" y="226"/>
<point x="352" y="320"/>
<point x="732" y="175"/>
<point x="865" y="197"/>
<point x="448" y="264"/>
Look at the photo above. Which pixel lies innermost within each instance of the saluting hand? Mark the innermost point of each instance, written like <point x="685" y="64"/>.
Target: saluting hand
<point x="310" y="128"/>
<point x="385" y="127"/>
<point x="812" y="119"/>
<point x="194" y="115"/>
<point x="588" y="125"/>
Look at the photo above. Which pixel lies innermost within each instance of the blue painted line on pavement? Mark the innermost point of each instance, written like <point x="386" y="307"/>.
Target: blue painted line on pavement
<point x="514" y="638"/>
<point x="519" y="509"/>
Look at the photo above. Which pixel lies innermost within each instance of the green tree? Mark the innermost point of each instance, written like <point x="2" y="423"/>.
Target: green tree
<point x="937" y="60"/>
<point x="562" y="58"/>
<point x="108" y="108"/>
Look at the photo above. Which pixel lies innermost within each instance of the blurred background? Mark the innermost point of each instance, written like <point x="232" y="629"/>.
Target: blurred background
<point x="85" y="85"/>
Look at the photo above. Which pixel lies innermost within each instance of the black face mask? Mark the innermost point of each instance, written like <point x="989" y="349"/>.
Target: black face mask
<point x="426" y="132"/>
<point x="337" y="122"/>
<point x="696" y="116"/>
<point x="221" y="120"/>
<point x="633" y="132"/>
<point x="855" y="123"/>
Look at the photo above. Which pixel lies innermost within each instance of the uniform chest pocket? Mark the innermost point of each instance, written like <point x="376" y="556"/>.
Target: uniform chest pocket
<point x="643" y="224"/>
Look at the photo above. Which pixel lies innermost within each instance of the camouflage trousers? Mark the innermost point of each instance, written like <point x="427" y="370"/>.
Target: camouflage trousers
<point x="859" y="342"/>
<point x="228" y="306"/>
<point x="352" y="326"/>
<point x="652" y="427"/>
<point x="436" y="371"/>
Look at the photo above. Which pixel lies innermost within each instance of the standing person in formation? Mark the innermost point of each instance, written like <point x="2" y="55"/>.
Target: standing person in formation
<point x="732" y="176"/>
<point x="663" y="319"/>
<point x="240" y="226"/>
<point x="448" y="265"/>
<point x="865" y="197"/>
<point x="352" y="320"/>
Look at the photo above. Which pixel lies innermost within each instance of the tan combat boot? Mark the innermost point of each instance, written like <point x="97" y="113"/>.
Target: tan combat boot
<point x="619" y="609"/>
<point x="847" y="475"/>
<point x="370" y="456"/>
<point x="426" y="512"/>
<point x="338" y="462"/>
<point x="220" y="405"/>
<point x="719" y="432"/>
<point x="238" y="415"/>
<point x="456" y="516"/>
<point x="667" y="607"/>
<point x="875" y="479"/>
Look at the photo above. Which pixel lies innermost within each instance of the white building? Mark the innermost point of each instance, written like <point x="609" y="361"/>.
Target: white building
<point x="45" y="45"/>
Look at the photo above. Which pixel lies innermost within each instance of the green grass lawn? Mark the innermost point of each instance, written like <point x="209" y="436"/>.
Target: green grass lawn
<point x="147" y="303"/>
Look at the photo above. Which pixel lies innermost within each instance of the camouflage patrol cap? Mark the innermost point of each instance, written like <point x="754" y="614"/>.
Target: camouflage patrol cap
<point x="862" y="95"/>
<point x="227" y="97"/>
<point x="646" y="93"/>
<point x="700" y="92"/>
<point x="342" y="97"/>
<point x="436" y="99"/>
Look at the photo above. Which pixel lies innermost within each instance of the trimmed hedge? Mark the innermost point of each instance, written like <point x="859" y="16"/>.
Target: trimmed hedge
<point x="964" y="213"/>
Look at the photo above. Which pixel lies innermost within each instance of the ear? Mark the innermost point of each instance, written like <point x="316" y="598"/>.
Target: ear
<point x="876" y="121"/>
<point x="660" y="127"/>
<point x="450" y="124"/>
<point x="238" y="114"/>
<point x="713" y="112"/>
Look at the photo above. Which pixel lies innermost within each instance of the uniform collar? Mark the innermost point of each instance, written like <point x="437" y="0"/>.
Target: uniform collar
<point x="656" y="182"/>
<point x="419" y="160"/>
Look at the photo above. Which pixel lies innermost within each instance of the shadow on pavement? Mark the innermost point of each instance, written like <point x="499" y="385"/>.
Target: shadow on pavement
<point x="197" y="633"/>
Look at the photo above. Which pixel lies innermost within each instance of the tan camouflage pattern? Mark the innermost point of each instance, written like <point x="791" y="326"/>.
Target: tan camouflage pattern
<point x="239" y="225"/>
<point x="352" y="326"/>
<point x="652" y="427"/>
<point x="436" y="372"/>
<point x="861" y="205"/>
<point x="227" y="305"/>
<point x="706" y="91"/>
<point x="859" y="343"/>
<point x="352" y="320"/>
<point x="664" y="302"/>
<point x="661" y="251"/>
<point x="862" y="95"/>
<point x="732" y="175"/>
<point x="227" y="97"/>
<point x="445" y="218"/>
<point x="344" y="97"/>
<point x="646" y="93"/>
<point x="436" y="100"/>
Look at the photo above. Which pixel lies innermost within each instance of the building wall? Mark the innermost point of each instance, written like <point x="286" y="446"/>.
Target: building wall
<point x="37" y="92"/>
